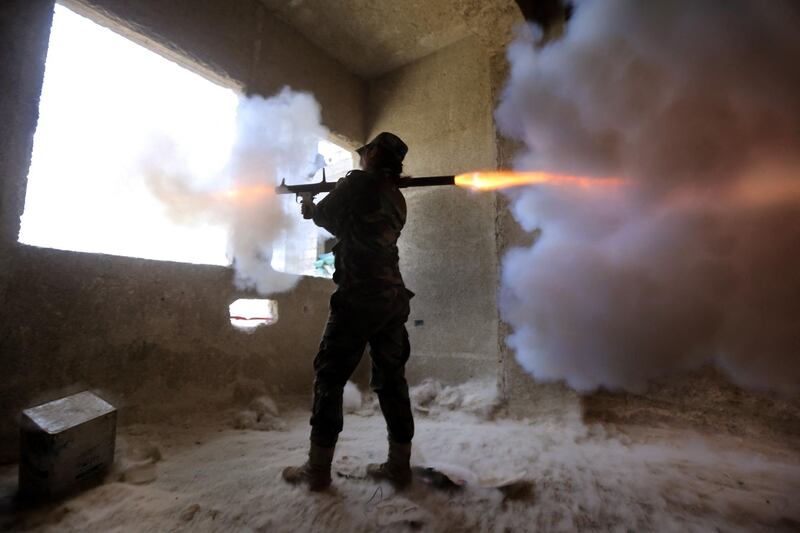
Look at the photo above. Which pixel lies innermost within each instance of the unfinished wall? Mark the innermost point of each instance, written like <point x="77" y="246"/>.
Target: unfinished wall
<point x="441" y="106"/>
<point x="523" y="395"/>
<point x="150" y="334"/>
<point x="142" y="330"/>
<point x="24" y="31"/>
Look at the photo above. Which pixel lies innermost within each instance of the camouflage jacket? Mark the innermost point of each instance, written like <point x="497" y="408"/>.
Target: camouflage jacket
<point x="366" y="212"/>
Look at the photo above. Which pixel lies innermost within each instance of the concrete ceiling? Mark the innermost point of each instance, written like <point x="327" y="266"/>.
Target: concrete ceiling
<point x="372" y="37"/>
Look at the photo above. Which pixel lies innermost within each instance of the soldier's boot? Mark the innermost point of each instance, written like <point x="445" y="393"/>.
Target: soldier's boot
<point x="397" y="468"/>
<point x="316" y="471"/>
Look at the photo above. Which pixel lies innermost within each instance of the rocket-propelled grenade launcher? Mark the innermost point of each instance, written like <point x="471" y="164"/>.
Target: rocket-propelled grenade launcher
<point x="307" y="191"/>
<point x="476" y="181"/>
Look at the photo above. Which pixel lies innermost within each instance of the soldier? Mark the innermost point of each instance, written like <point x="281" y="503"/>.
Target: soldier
<point x="366" y="212"/>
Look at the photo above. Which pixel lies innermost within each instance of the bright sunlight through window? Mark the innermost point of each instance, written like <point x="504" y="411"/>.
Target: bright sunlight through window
<point x="103" y="101"/>
<point x="248" y="314"/>
<point x="310" y="255"/>
<point x="104" y="97"/>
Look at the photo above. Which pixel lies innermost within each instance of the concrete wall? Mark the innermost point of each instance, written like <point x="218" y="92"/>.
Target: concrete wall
<point x="523" y="395"/>
<point x="155" y="336"/>
<point x="441" y="106"/>
<point x="24" y="31"/>
<point x="150" y="334"/>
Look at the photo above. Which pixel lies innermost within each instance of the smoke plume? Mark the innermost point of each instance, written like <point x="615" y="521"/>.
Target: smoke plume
<point x="275" y="137"/>
<point x="696" y="259"/>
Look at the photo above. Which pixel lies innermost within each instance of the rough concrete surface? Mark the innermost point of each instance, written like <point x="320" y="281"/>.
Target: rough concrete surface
<point x="24" y="31"/>
<point x="373" y="38"/>
<point x="441" y="107"/>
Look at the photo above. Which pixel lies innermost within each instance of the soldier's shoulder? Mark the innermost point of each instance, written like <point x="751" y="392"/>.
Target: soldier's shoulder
<point x="355" y="176"/>
<point x="360" y="179"/>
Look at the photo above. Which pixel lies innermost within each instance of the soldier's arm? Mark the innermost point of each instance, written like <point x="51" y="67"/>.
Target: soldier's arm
<point x="331" y="212"/>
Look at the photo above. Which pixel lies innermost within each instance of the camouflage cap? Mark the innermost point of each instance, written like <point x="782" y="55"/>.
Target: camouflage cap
<point x="389" y="142"/>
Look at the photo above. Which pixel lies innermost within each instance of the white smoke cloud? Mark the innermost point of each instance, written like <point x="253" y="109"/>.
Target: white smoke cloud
<point x="275" y="137"/>
<point x="695" y="260"/>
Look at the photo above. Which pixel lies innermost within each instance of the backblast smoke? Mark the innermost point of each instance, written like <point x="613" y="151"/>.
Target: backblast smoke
<point x="275" y="137"/>
<point x="697" y="261"/>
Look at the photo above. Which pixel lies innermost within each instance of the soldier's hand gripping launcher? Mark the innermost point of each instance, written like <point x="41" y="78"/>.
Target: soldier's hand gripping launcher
<point x="307" y="191"/>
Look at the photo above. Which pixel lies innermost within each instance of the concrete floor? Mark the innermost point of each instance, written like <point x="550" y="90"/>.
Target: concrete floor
<point x="212" y="477"/>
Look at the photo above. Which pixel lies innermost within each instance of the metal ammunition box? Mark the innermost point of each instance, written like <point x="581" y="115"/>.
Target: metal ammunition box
<point x="66" y="445"/>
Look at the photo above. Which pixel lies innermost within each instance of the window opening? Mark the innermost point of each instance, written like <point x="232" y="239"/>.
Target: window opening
<point x="250" y="313"/>
<point x="307" y="250"/>
<point x="102" y="97"/>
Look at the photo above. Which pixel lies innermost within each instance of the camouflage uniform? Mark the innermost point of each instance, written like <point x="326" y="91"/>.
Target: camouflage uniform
<point x="366" y="212"/>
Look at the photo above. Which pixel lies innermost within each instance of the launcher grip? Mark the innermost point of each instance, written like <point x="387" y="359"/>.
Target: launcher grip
<point x="306" y="204"/>
<point x="304" y="197"/>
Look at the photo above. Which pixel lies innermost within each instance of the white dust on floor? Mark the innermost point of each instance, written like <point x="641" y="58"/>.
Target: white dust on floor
<point x="212" y="477"/>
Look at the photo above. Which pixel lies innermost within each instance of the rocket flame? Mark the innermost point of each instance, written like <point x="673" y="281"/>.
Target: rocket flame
<point x="503" y="179"/>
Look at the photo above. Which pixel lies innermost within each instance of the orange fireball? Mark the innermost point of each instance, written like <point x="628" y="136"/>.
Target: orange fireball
<point x="502" y="179"/>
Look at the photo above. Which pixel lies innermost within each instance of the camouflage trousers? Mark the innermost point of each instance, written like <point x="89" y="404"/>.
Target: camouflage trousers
<point x="353" y="323"/>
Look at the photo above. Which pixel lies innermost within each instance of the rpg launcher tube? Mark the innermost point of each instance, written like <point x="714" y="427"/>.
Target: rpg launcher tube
<point x="327" y="186"/>
<point x="429" y="181"/>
